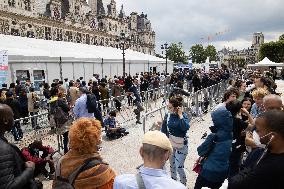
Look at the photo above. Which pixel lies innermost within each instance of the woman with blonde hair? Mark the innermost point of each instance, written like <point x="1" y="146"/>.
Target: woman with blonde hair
<point x="84" y="138"/>
<point x="258" y="95"/>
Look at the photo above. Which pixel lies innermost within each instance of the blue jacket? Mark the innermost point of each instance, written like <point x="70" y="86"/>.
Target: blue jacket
<point x="177" y="127"/>
<point x="215" y="167"/>
<point x="135" y="92"/>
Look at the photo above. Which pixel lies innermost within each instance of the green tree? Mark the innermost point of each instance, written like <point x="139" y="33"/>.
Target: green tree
<point x="281" y="37"/>
<point x="197" y="54"/>
<point x="176" y="53"/>
<point x="211" y="52"/>
<point x="272" y="50"/>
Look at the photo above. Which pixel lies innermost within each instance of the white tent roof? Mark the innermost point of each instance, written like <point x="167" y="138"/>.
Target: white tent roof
<point x="266" y="63"/>
<point x="38" y="47"/>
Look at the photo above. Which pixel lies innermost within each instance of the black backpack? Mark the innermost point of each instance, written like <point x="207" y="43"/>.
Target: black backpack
<point x="91" y="103"/>
<point x="67" y="183"/>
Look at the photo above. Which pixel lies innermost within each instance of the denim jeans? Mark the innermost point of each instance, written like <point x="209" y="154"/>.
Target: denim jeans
<point x="177" y="163"/>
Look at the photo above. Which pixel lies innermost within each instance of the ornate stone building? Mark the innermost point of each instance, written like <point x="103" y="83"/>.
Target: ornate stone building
<point x="245" y="56"/>
<point x="76" y="21"/>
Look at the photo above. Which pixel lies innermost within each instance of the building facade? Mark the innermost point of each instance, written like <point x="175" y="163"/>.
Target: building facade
<point x="242" y="57"/>
<point x="76" y="21"/>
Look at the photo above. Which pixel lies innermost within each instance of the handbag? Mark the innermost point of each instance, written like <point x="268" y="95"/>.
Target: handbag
<point x="177" y="142"/>
<point x="198" y="165"/>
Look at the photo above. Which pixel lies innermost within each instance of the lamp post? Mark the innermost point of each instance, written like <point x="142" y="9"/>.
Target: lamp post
<point x="123" y="45"/>
<point x="165" y="47"/>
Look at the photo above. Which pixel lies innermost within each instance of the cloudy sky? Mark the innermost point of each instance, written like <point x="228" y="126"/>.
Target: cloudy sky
<point x="188" y="21"/>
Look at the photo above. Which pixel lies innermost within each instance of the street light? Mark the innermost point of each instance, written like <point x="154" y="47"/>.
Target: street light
<point x="123" y="45"/>
<point x="165" y="47"/>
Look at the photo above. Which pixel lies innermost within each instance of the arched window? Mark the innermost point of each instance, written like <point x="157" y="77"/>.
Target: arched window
<point x="27" y="5"/>
<point x="109" y="26"/>
<point x="11" y="3"/>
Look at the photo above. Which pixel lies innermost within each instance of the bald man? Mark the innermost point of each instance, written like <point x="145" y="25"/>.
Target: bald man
<point x="14" y="171"/>
<point x="272" y="102"/>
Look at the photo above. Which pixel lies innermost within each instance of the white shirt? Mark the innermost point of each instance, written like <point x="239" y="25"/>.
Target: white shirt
<point x="152" y="178"/>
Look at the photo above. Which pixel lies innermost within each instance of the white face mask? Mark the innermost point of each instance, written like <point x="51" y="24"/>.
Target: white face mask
<point x="256" y="140"/>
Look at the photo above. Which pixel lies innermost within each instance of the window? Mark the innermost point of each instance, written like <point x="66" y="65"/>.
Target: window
<point x="47" y="33"/>
<point x="27" y="5"/>
<point x="109" y="26"/>
<point x="79" y="38"/>
<point x="30" y="34"/>
<point x="88" y="39"/>
<point x="59" y="35"/>
<point x="15" y="32"/>
<point x="69" y="36"/>
<point x="11" y="3"/>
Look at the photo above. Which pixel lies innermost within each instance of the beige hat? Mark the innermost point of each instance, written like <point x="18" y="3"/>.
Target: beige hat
<point x="157" y="138"/>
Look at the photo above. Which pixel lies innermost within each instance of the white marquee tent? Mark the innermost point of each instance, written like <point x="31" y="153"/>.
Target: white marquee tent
<point x="266" y="63"/>
<point x="39" y="59"/>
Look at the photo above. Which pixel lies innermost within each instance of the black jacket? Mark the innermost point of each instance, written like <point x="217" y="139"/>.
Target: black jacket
<point x="15" y="105"/>
<point x="268" y="174"/>
<point x="13" y="174"/>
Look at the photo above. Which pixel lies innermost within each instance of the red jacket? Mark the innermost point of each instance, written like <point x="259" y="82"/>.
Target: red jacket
<point x="29" y="157"/>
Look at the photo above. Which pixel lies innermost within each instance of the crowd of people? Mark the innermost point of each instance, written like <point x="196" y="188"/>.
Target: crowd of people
<point x="244" y="148"/>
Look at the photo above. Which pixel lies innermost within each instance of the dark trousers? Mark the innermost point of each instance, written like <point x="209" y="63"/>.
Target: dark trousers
<point x="202" y="182"/>
<point x="138" y="110"/>
<point x="17" y="131"/>
<point x="34" y="119"/>
<point x="40" y="168"/>
<point x="65" y="142"/>
<point x="235" y="163"/>
<point x="24" y="113"/>
<point x="130" y="100"/>
<point x="117" y="104"/>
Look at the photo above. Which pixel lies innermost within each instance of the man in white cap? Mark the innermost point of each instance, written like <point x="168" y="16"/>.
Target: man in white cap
<point x="155" y="151"/>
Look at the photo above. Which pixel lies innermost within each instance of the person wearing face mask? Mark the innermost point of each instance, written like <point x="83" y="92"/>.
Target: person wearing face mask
<point x="270" y="102"/>
<point x="175" y="126"/>
<point x="268" y="171"/>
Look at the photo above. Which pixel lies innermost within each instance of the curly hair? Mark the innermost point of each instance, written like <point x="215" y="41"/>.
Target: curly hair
<point x="259" y="93"/>
<point x="85" y="135"/>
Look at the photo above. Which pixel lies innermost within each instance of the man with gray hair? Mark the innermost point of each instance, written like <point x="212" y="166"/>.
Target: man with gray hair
<point x="272" y="102"/>
<point x="155" y="152"/>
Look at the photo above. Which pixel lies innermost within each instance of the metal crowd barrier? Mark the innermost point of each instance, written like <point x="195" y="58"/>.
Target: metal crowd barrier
<point x="38" y="126"/>
<point x="150" y="100"/>
<point x="195" y="105"/>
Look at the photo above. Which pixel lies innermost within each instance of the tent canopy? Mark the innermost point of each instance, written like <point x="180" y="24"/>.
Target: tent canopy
<point x="29" y="47"/>
<point x="266" y="63"/>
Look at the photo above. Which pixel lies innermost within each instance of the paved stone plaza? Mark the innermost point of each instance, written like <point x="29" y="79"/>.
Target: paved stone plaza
<point x="123" y="154"/>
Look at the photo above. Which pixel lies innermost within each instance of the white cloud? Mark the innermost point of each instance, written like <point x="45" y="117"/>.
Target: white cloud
<point x="189" y="20"/>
